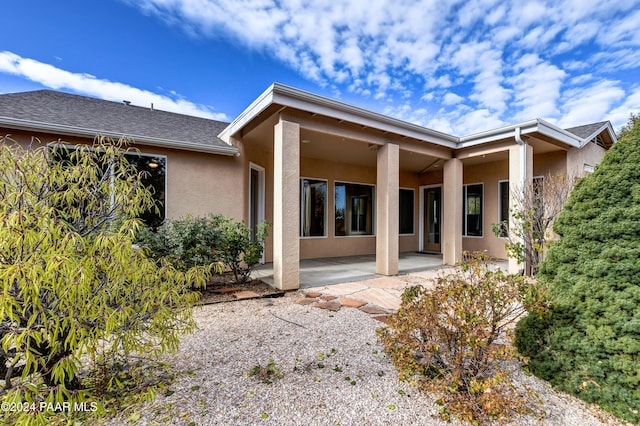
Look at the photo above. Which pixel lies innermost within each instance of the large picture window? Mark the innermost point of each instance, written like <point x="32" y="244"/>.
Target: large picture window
<point x="313" y="210"/>
<point x="406" y="213"/>
<point x="153" y="170"/>
<point x="353" y="209"/>
<point x="472" y="208"/>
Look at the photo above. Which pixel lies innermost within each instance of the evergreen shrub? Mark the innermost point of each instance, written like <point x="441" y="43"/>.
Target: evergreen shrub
<point x="589" y="342"/>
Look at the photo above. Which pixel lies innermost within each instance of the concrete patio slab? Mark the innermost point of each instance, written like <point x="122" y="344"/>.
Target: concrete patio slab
<point x="353" y="278"/>
<point x="336" y="270"/>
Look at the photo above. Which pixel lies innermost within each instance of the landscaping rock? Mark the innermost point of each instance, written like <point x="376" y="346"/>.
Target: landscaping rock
<point x="351" y="303"/>
<point x="329" y="305"/>
<point x="372" y="309"/>
<point x="245" y="295"/>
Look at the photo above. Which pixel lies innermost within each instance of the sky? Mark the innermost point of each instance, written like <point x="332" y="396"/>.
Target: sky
<point x="458" y="67"/>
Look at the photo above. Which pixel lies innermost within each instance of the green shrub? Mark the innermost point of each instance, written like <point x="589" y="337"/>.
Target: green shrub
<point x="451" y="339"/>
<point x="213" y="239"/>
<point x="589" y="344"/>
<point x="72" y="283"/>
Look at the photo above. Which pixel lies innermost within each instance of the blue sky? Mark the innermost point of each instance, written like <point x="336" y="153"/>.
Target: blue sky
<point x="453" y="66"/>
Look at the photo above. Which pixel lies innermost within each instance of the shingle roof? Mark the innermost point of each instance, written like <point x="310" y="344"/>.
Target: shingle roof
<point x="586" y="130"/>
<point x="106" y="117"/>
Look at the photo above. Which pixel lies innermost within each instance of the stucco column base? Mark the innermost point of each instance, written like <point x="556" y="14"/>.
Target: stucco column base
<point x="286" y="206"/>
<point x="387" y="206"/>
<point x="452" y="218"/>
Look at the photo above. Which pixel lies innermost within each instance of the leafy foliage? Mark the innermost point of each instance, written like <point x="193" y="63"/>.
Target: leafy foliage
<point x="452" y="338"/>
<point x="72" y="282"/>
<point x="268" y="374"/>
<point x="214" y="239"/>
<point x="535" y="207"/>
<point x="627" y="129"/>
<point x="589" y="344"/>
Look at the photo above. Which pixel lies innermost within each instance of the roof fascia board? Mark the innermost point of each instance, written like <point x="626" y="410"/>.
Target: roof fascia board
<point x="258" y="106"/>
<point x="310" y="102"/>
<point x="144" y="140"/>
<point x="526" y="127"/>
<point x="294" y="98"/>
<point x="506" y="132"/>
<point x="608" y="128"/>
<point x="559" y="134"/>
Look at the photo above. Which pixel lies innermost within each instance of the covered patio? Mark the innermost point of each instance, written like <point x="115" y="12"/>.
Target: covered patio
<point x="337" y="270"/>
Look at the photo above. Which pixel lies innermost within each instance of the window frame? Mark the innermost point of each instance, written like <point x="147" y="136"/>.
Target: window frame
<point x="326" y="210"/>
<point x="336" y="183"/>
<point x="465" y="209"/>
<point x="413" y="212"/>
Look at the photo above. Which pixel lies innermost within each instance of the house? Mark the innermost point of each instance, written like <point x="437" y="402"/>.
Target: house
<point x="332" y="179"/>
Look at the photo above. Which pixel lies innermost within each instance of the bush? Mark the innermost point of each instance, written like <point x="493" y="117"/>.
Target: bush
<point x="589" y="345"/>
<point x="72" y="283"/>
<point x="452" y="339"/>
<point x="203" y="241"/>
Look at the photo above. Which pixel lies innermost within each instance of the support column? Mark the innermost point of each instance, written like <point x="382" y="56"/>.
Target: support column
<point x="520" y="175"/>
<point x="452" y="212"/>
<point x="286" y="205"/>
<point x="387" y="209"/>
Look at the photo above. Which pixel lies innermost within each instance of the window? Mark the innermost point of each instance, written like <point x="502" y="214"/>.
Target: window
<point x="313" y="209"/>
<point x="472" y="210"/>
<point x="406" y="213"/>
<point x="353" y="209"/>
<point x="153" y="169"/>
<point x="154" y="173"/>
<point x="538" y="204"/>
<point x="503" y="208"/>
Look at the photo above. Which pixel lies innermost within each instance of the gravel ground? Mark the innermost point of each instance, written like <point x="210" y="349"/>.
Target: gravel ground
<point x="335" y="373"/>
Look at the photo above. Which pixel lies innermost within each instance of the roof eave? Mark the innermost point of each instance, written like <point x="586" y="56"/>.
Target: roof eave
<point x="16" y="123"/>
<point x="526" y="127"/>
<point x="605" y="127"/>
<point x="298" y="99"/>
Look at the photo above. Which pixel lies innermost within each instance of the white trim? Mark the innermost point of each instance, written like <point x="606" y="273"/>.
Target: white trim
<point x="608" y="127"/>
<point x="326" y="210"/>
<point x="286" y="96"/>
<point x="509" y="133"/>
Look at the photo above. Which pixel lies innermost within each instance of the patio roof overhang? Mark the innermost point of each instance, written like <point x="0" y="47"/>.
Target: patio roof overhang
<point x="284" y="97"/>
<point x="317" y="113"/>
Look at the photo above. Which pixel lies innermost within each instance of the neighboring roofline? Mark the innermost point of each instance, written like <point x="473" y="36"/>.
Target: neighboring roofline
<point x="606" y="126"/>
<point x="291" y="97"/>
<point x="532" y="126"/>
<point x="16" y="123"/>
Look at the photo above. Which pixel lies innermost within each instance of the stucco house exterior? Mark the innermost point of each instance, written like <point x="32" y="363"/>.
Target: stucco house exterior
<point x="332" y="179"/>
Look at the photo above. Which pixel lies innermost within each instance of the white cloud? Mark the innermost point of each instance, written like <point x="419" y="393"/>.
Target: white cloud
<point x="590" y="104"/>
<point x="511" y="60"/>
<point x="536" y="88"/>
<point x="56" y="78"/>
<point x="451" y="99"/>
<point x="619" y="116"/>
